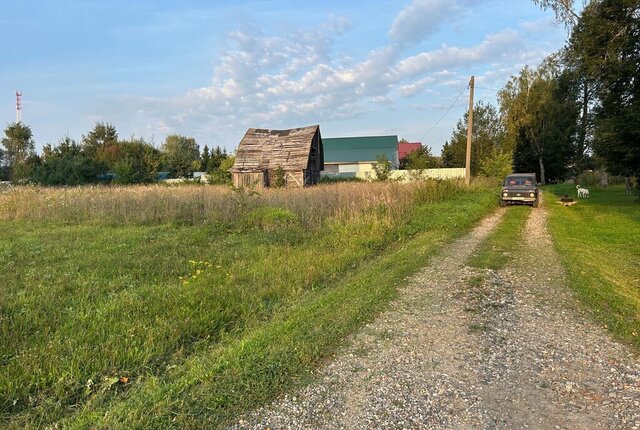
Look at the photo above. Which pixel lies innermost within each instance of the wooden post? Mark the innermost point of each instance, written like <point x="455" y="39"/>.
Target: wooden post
<point x="467" y="173"/>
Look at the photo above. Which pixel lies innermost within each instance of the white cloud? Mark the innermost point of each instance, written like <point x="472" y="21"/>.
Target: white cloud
<point x="415" y="87"/>
<point x="280" y="81"/>
<point x="491" y="48"/>
<point x="251" y="82"/>
<point x="420" y="19"/>
<point x="541" y="25"/>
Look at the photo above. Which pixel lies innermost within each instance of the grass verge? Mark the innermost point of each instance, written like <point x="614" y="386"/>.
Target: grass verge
<point x="598" y="242"/>
<point x="495" y="251"/>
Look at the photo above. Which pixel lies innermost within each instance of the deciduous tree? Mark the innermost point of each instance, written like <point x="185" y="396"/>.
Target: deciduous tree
<point x="18" y="147"/>
<point x="564" y="10"/>
<point x="101" y="145"/>
<point x="180" y="152"/>
<point x="487" y="137"/>
<point x="138" y="163"/>
<point x="605" y="45"/>
<point x="540" y="120"/>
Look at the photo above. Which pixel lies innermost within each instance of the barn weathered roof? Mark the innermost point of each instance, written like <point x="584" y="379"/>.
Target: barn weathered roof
<point x="262" y="149"/>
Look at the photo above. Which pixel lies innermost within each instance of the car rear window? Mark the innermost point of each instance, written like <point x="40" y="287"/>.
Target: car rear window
<point x="519" y="180"/>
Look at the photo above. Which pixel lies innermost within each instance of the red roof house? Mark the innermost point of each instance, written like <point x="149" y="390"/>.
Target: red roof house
<point x="406" y="147"/>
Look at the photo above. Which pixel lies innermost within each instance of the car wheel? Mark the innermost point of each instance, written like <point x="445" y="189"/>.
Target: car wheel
<point x="535" y="202"/>
<point x="502" y="203"/>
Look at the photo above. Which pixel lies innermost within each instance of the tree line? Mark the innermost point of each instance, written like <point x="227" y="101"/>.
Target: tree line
<point x="101" y="156"/>
<point x="578" y="110"/>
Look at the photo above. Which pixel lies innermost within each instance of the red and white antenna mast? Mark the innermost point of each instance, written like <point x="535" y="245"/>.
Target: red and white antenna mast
<point x="18" y="106"/>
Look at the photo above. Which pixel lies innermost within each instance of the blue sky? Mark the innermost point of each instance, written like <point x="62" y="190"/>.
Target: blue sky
<point x="210" y="69"/>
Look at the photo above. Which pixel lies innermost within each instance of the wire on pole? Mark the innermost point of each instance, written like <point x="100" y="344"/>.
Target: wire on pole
<point x="445" y="113"/>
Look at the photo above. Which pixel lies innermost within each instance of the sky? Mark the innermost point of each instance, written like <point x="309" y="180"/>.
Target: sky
<point x="212" y="69"/>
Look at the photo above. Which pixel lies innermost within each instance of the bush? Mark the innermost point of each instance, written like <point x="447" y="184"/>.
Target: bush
<point x="497" y="165"/>
<point x="382" y="167"/>
<point x="278" y="178"/>
<point x="221" y="174"/>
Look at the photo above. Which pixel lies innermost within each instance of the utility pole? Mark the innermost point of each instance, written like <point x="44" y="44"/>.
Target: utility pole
<point x="467" y="173"/>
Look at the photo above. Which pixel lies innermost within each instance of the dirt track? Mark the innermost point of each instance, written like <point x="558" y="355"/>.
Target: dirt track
<point x="464" y="348"/>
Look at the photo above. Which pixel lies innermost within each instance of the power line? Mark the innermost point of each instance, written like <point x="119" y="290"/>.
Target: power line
<point x="489" y="89"/>
<point x="443" y="115"/>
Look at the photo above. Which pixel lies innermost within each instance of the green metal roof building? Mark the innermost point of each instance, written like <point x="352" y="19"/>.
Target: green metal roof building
<point x="354" y="150"/>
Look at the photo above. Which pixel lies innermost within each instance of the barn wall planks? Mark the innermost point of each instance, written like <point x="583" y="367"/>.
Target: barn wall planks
<point x="248" y="180"/>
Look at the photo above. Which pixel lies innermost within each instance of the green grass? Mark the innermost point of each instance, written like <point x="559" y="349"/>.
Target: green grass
<point x="204" y="321"/>
<point x="217" y="385"/>
<point x="105" y="302"/>
<point x="598" y="240"/>
<point x="498" y="248"/>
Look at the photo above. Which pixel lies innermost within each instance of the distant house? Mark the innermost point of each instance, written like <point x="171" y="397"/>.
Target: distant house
<point x="405" y="148"/>
<point x="262" y="154"/>
<point x="348" y="156"/>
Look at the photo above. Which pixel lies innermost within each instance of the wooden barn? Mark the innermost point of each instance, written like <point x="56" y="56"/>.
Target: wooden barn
<point x="262" y="155"/>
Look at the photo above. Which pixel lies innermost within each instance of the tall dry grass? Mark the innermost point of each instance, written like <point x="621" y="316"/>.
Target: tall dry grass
<point x="153" y="204"/>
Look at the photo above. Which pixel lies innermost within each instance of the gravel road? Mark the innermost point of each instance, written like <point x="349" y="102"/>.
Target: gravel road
<point x="464" y="348"/>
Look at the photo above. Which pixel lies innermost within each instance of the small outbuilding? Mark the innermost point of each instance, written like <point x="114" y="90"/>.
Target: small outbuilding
<point x="293" y="157"/>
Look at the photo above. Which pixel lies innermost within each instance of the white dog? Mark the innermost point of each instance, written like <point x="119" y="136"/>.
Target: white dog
<point x="582" y="192"/>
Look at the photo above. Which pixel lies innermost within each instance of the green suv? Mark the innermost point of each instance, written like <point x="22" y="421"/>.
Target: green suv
<point x="520" y="188"/>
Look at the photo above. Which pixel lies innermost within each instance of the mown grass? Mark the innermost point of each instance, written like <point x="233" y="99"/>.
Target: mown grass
<point x="173" y="325"/>
<point x="598" y="242"/>
<point x="498" y="248"/>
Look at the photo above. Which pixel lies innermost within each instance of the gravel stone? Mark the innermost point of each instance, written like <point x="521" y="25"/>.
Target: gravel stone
<point x="463" y="348"/>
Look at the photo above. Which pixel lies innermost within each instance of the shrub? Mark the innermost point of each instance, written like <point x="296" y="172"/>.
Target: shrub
<point x="497" y="165"/>
<point x="382" y="167"/>
<point x="221" y="175"/>
<point x="278" y="178"/>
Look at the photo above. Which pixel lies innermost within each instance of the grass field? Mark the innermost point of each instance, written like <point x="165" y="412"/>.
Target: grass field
<point x="157" y="307"/>
<point x="598" y="239"/>
<point x="193" y="205"/>
<point x="496" y="250"/>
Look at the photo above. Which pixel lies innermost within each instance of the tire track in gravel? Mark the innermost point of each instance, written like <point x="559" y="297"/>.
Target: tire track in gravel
<point x="464" y="348"/>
